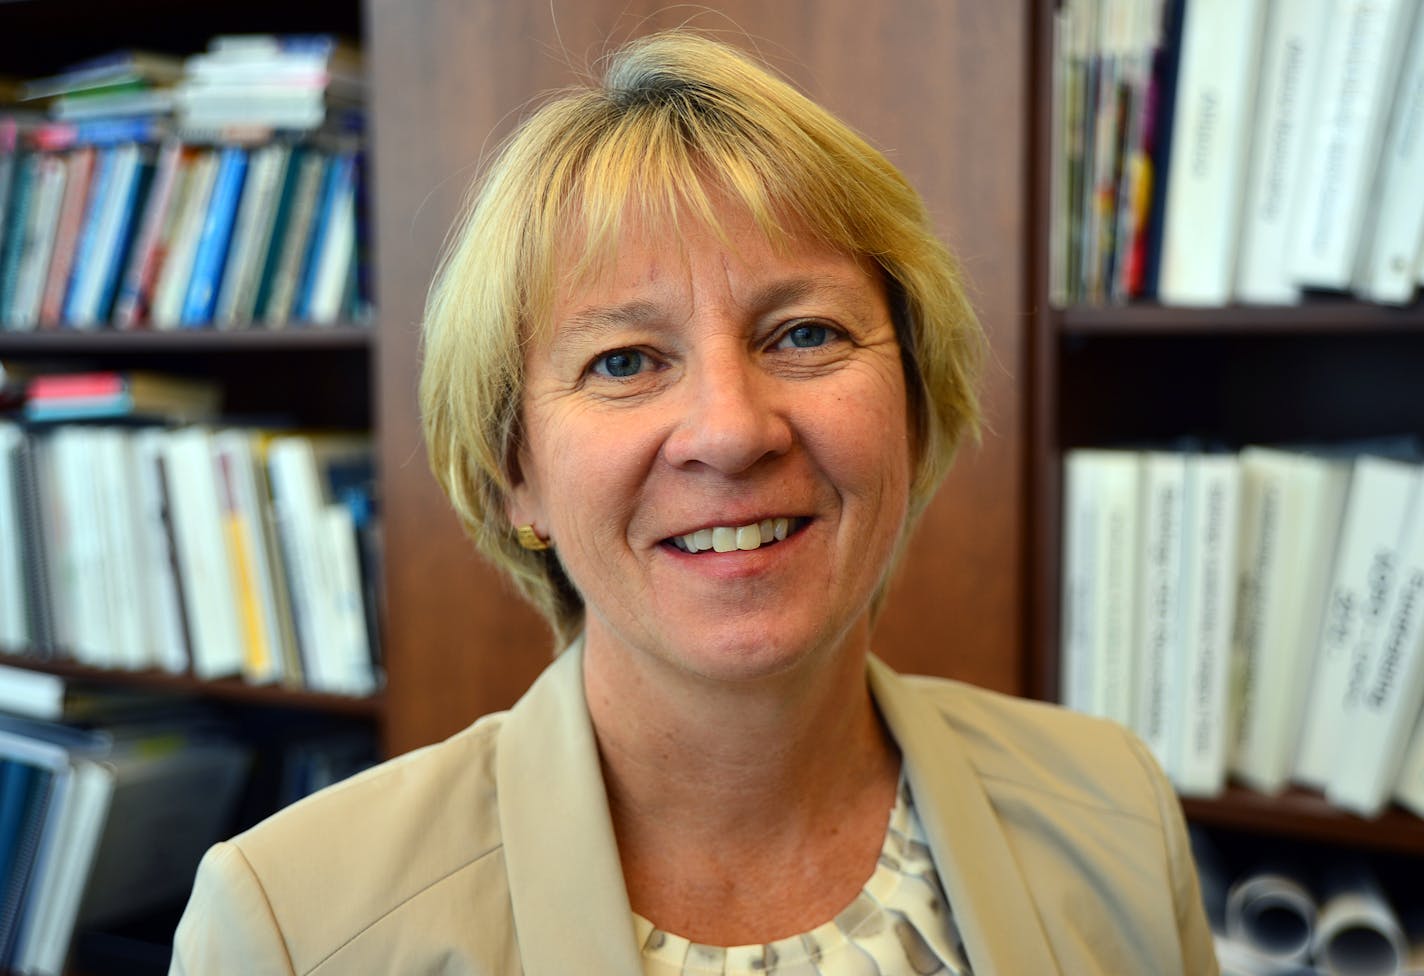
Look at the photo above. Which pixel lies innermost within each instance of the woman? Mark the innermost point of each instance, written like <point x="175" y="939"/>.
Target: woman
<point x="693" y="367"/>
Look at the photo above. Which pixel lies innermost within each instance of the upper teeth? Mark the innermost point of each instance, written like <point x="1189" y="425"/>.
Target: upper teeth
<point x="726" y="538"/>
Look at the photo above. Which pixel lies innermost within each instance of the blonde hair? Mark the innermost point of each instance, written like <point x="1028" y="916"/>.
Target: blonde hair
<point x="680" y="121"/>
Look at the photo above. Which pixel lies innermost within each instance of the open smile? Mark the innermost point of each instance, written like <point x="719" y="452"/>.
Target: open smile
<point x="732" y="538"/>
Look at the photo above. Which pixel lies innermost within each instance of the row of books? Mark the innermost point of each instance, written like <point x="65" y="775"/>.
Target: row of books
<point x="143" y="189"/>
<point x="206" y="550"/>
<point x="1257" y="614"/>
<point x="1206" y="152"/>
<point x="170" y="234"/>
<point x="102" y="824"/>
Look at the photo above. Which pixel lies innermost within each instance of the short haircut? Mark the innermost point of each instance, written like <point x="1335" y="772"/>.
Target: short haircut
<point x="678" y="122"/>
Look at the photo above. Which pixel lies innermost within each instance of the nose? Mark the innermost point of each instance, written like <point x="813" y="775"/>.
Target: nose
<point x="731" y="414"/>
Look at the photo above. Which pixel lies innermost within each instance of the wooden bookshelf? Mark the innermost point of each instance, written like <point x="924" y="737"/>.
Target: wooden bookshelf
<point x="1331" y="368"/>
<point x="215" y="689"/>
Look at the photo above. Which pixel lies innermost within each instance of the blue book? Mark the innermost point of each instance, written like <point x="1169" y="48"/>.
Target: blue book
<point x="211" y="255"/>
<point x="338" y="173"/>
<point x="12" y="253"/>
<point x="341" y="178"/>
<point x="26" y="849"/>
<point x="134" y="192"/>
<point x="87" y="243"/>
<point x="16" y="778"/>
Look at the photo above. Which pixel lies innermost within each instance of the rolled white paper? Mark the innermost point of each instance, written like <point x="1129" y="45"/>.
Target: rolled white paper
<point x="1272" y="913"/>
<point x="1358" y="933"/>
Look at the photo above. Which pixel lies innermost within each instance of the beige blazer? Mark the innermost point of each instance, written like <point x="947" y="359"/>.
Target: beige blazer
<point x="1060" y="845"/>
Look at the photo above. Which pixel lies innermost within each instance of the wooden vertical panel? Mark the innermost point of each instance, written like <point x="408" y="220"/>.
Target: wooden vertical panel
<point x="940" y="86"/>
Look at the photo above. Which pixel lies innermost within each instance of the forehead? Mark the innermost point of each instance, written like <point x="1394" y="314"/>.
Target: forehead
<point x="732" y="257"/>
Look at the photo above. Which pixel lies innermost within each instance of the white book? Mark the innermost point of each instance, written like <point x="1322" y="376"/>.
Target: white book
<point x="1369" y="758"/>
<point x="1290" y="57"/>
<point x="1099" y="576"/>
<point x="349" y="609"/>
<point x="130" y="645"/>
<point x="1158" y="602"/>
<point x="172" y="287"/>
<point x="215" y="631"/>
<point x="1292" y="505"/>
<point x="1202" y="679"/>
<point x="1380" y="497"/>
<point x="299" y="502"/>
<point x="162" y="600"/>
<point x="1078" y="609"/>
<point x="81" y="568"/>
<point x="14" y="630"/>
<point x="44" y="942"/>
<point x="1363" y="45"/>
<point x="55" y="532"/>
<point x="1396" y="232"/>
<point x="1216" y="80"/>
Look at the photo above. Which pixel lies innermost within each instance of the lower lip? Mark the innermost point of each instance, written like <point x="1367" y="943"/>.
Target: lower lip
<point x="739" y="563"/>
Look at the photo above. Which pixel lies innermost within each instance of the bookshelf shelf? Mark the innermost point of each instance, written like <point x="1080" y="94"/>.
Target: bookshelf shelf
<point x="198" y="341"/>
<point x="1307" y="815"/>
<point x="222" y="689"/>
<point x="1322" y="317"/>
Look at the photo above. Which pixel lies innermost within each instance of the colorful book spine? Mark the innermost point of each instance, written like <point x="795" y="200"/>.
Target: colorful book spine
<point x="211" y="253"/>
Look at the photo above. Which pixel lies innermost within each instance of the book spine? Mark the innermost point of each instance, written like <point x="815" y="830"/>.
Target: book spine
<point x="1294" y="37"/>
<point x="1159" y="597"/>
<point x="333" y="263"/>
<point x="1357" y="70"/>
<point x="1398" y="228"/>
<point x="1391" y="690"/>
<point x="1361" y="581"/>
<point x="172" y="287"/>
<point x="125" y="226"/>
<point x="1209" y="606"/>
<point x="287" y="272"/>
<point x="38" y="243"/>
<point x="71" y="214"/>
<point x="129" y="303"/>
<point x="1220" y="44"/>
<point x="84" y="268"/>
<point x="211" y="253"/>
<point x="26" y="174"/>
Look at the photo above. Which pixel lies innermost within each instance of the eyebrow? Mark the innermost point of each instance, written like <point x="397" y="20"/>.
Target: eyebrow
<point x="591" y="322"/>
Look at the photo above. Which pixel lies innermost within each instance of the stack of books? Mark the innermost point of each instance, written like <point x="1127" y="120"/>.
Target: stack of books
<point x="233" y="198"/>
<point x="1208" y="152"/>
<point x="1258" y="614"/>
<point x="206" y="550"/>
<point x="101" y="824"/>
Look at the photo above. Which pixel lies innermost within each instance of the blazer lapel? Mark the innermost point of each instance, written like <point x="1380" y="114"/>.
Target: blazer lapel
<point x="571" y="910"/>
<point x="987" y="893"/>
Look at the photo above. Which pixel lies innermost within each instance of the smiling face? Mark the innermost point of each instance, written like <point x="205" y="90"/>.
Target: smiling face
<point x="716" y="442"/>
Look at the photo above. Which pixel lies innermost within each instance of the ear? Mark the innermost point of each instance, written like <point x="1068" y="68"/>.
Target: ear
<point x="523" y="505"/>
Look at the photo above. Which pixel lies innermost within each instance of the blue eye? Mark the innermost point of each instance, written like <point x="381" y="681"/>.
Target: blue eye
<point x="808" y="335"/>
<point x="619" y="364"/>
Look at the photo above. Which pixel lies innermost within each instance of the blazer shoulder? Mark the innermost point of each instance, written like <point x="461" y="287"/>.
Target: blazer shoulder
<point x="1038" y="747"/>
<point x="341" y="860"/>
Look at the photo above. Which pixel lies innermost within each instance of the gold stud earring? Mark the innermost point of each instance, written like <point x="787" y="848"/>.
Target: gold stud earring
<point x="529" y="539"/>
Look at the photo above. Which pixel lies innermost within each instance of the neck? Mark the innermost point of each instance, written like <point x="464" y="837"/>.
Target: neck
<point x="767" y="757"/>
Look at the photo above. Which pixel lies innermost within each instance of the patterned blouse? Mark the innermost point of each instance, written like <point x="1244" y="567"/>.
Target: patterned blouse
<point x="899" y="925"/>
